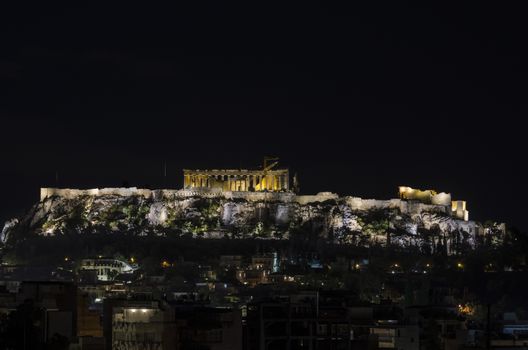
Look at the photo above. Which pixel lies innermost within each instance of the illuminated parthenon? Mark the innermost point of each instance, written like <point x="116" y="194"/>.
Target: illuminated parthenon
<point x="267" y="179"/>
<point x="238" y="180"/>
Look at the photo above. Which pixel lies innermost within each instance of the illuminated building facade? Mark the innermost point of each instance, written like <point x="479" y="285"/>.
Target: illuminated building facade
<point x="106" y="269"/>
<point x="142" y="325"/>
<point x="458" y="207"/>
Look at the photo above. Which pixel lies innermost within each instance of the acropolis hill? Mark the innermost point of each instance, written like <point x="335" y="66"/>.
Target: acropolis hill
<point x="258" y="204"/>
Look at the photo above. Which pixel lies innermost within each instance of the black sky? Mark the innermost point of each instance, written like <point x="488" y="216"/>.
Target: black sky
<point x="356" y="99"/>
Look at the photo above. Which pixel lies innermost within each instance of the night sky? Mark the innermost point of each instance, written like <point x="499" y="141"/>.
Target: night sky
<point x="356" y="100"/>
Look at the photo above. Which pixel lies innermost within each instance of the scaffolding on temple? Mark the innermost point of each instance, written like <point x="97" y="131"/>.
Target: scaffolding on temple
<point x="269" y="178"/>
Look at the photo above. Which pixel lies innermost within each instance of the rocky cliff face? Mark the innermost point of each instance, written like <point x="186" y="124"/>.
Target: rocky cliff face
<point x="334" y="220"/>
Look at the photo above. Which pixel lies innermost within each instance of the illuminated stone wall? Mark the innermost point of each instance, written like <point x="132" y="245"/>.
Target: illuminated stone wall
<point x="427" y="196"/>
<point x="456" y="209"/>
<point x="74" y="193"/>
<point x="407" y="207"/>
<point x="320" y="197"/>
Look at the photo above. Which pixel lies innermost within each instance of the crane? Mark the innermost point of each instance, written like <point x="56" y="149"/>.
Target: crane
<point x="267" y="166"/>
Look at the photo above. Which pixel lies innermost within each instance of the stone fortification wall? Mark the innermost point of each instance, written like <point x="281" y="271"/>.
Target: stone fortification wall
<point x="441" y="198"/>
<point x="427" y="196"/>
<point x="355" y="203"/>
<point x="405" y="206"/>
<point x="214" y="193"/>
<point x="69" y="193"/>
<point x="320" y="197"/>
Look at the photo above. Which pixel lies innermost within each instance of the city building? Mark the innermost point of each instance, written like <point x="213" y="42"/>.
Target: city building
<point x="106" y="269"/>
<point x="227" y="261"/>
<point x="143" y="325"/>
<point x="157" y="325"/>
<point x="208" y="327"/>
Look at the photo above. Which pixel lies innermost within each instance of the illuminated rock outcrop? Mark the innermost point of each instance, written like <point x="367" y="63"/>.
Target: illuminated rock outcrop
<point x="263" y="215"/>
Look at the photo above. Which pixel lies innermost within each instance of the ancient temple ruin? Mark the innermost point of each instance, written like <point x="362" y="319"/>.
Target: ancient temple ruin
<point x="268" y="178"/>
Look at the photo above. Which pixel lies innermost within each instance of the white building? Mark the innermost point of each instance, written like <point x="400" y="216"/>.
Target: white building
<point x="106" y="269"/>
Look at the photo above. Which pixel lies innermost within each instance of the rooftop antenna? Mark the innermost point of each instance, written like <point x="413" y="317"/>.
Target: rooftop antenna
<point x="165" y="174"/>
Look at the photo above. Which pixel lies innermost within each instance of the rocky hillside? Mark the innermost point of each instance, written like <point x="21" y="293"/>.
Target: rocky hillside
<point x="332" y="220"/>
